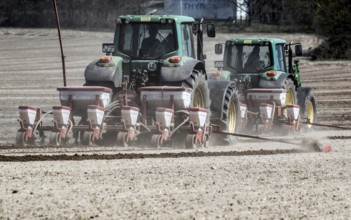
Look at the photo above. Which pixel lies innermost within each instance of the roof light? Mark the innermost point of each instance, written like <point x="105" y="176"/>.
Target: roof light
<point x="175" y="59"/>
<point x="162" y="20"/>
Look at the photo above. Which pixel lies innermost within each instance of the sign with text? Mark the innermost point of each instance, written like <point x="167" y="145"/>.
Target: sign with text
<point x="209" y="9"/>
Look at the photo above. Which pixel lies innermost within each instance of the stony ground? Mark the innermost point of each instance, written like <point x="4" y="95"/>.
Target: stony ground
<point x="278" y="184"/>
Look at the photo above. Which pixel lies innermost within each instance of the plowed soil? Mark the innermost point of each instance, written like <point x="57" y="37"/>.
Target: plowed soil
<point x="252" y="179"/>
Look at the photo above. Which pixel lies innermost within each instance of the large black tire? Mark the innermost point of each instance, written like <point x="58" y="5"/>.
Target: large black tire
<point x="200" y="98"/>
<point x="230" y="118"/>
<point x="231" y="114"/>
<point x="308" y="111"/>
<point x="290" y="90"/>
<point x="200" y="95"/>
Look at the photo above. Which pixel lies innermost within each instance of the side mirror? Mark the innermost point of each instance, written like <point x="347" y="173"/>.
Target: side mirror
<point x="211" y="30"/>
<point x="108" y="48"/>
<point x="298" y="50"/>
<point x="218" y="48"/>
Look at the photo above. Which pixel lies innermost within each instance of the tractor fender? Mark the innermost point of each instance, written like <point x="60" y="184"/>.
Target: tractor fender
<point x="181" y="72"/>
<point x="106" y="72"/>
<point x="218" y="89"/>
<point x="264" y="83"/>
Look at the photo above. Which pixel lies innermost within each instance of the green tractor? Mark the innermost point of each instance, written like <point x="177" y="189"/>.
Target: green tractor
<point x="151" y="51"/>
<point x="268" y="84"/>
<point x="156" y="65"/>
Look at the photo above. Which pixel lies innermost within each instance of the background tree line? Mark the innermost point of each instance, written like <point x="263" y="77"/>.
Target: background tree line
<point x="297" y="14"/>
<point x="331" y="19"/>
<point x="82" y="14"/>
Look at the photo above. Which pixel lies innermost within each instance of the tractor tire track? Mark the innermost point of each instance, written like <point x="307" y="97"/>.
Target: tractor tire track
<point x="121" y="156"/>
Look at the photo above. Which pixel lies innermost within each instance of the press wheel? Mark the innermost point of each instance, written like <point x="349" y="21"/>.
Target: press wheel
<point x="156" y="140"/>
<point x="55" y="139"/>
<point x="21" y="139"/>
<point x="87" y="138"/>
<point x="122" y="139"/>
<point x="190" y="141"/>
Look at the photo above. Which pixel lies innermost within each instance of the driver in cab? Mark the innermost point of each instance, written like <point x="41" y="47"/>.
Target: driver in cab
<point x="151" y="46"/>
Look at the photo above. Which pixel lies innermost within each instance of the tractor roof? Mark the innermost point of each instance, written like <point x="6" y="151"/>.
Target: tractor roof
<point x="257" y="41"/>
<point x="156" y="18"/>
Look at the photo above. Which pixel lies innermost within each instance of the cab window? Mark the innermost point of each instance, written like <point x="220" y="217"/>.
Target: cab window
<point x="280" y="55"/>
<point x="187" y="39"/>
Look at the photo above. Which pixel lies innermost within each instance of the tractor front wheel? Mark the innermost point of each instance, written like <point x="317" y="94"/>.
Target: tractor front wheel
<point x="290" y="92"/>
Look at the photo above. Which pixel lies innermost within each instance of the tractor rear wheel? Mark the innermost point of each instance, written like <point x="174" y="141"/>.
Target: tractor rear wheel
<point x="309" y="110"/>
<point x="231" y="113"/>
<point x="231" y="117"/>
<point x="290" y="91"/>
<point x="200" y="96"/>
<point x="290" y="94"/>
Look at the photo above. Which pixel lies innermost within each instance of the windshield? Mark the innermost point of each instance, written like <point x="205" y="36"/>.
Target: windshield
<point x="146" y="40"/>
<point x="248" y="58"/>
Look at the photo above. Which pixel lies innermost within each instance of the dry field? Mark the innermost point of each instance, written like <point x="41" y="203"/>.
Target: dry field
<point x="261" y="180"/>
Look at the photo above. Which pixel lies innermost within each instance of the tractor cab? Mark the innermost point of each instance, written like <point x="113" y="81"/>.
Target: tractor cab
<point x="150" y="50"/>
<point x="258" y="59"/>
<point x="248" y="58"/>
<point x="267" y="79"/>
<point x="147" y="40"/>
